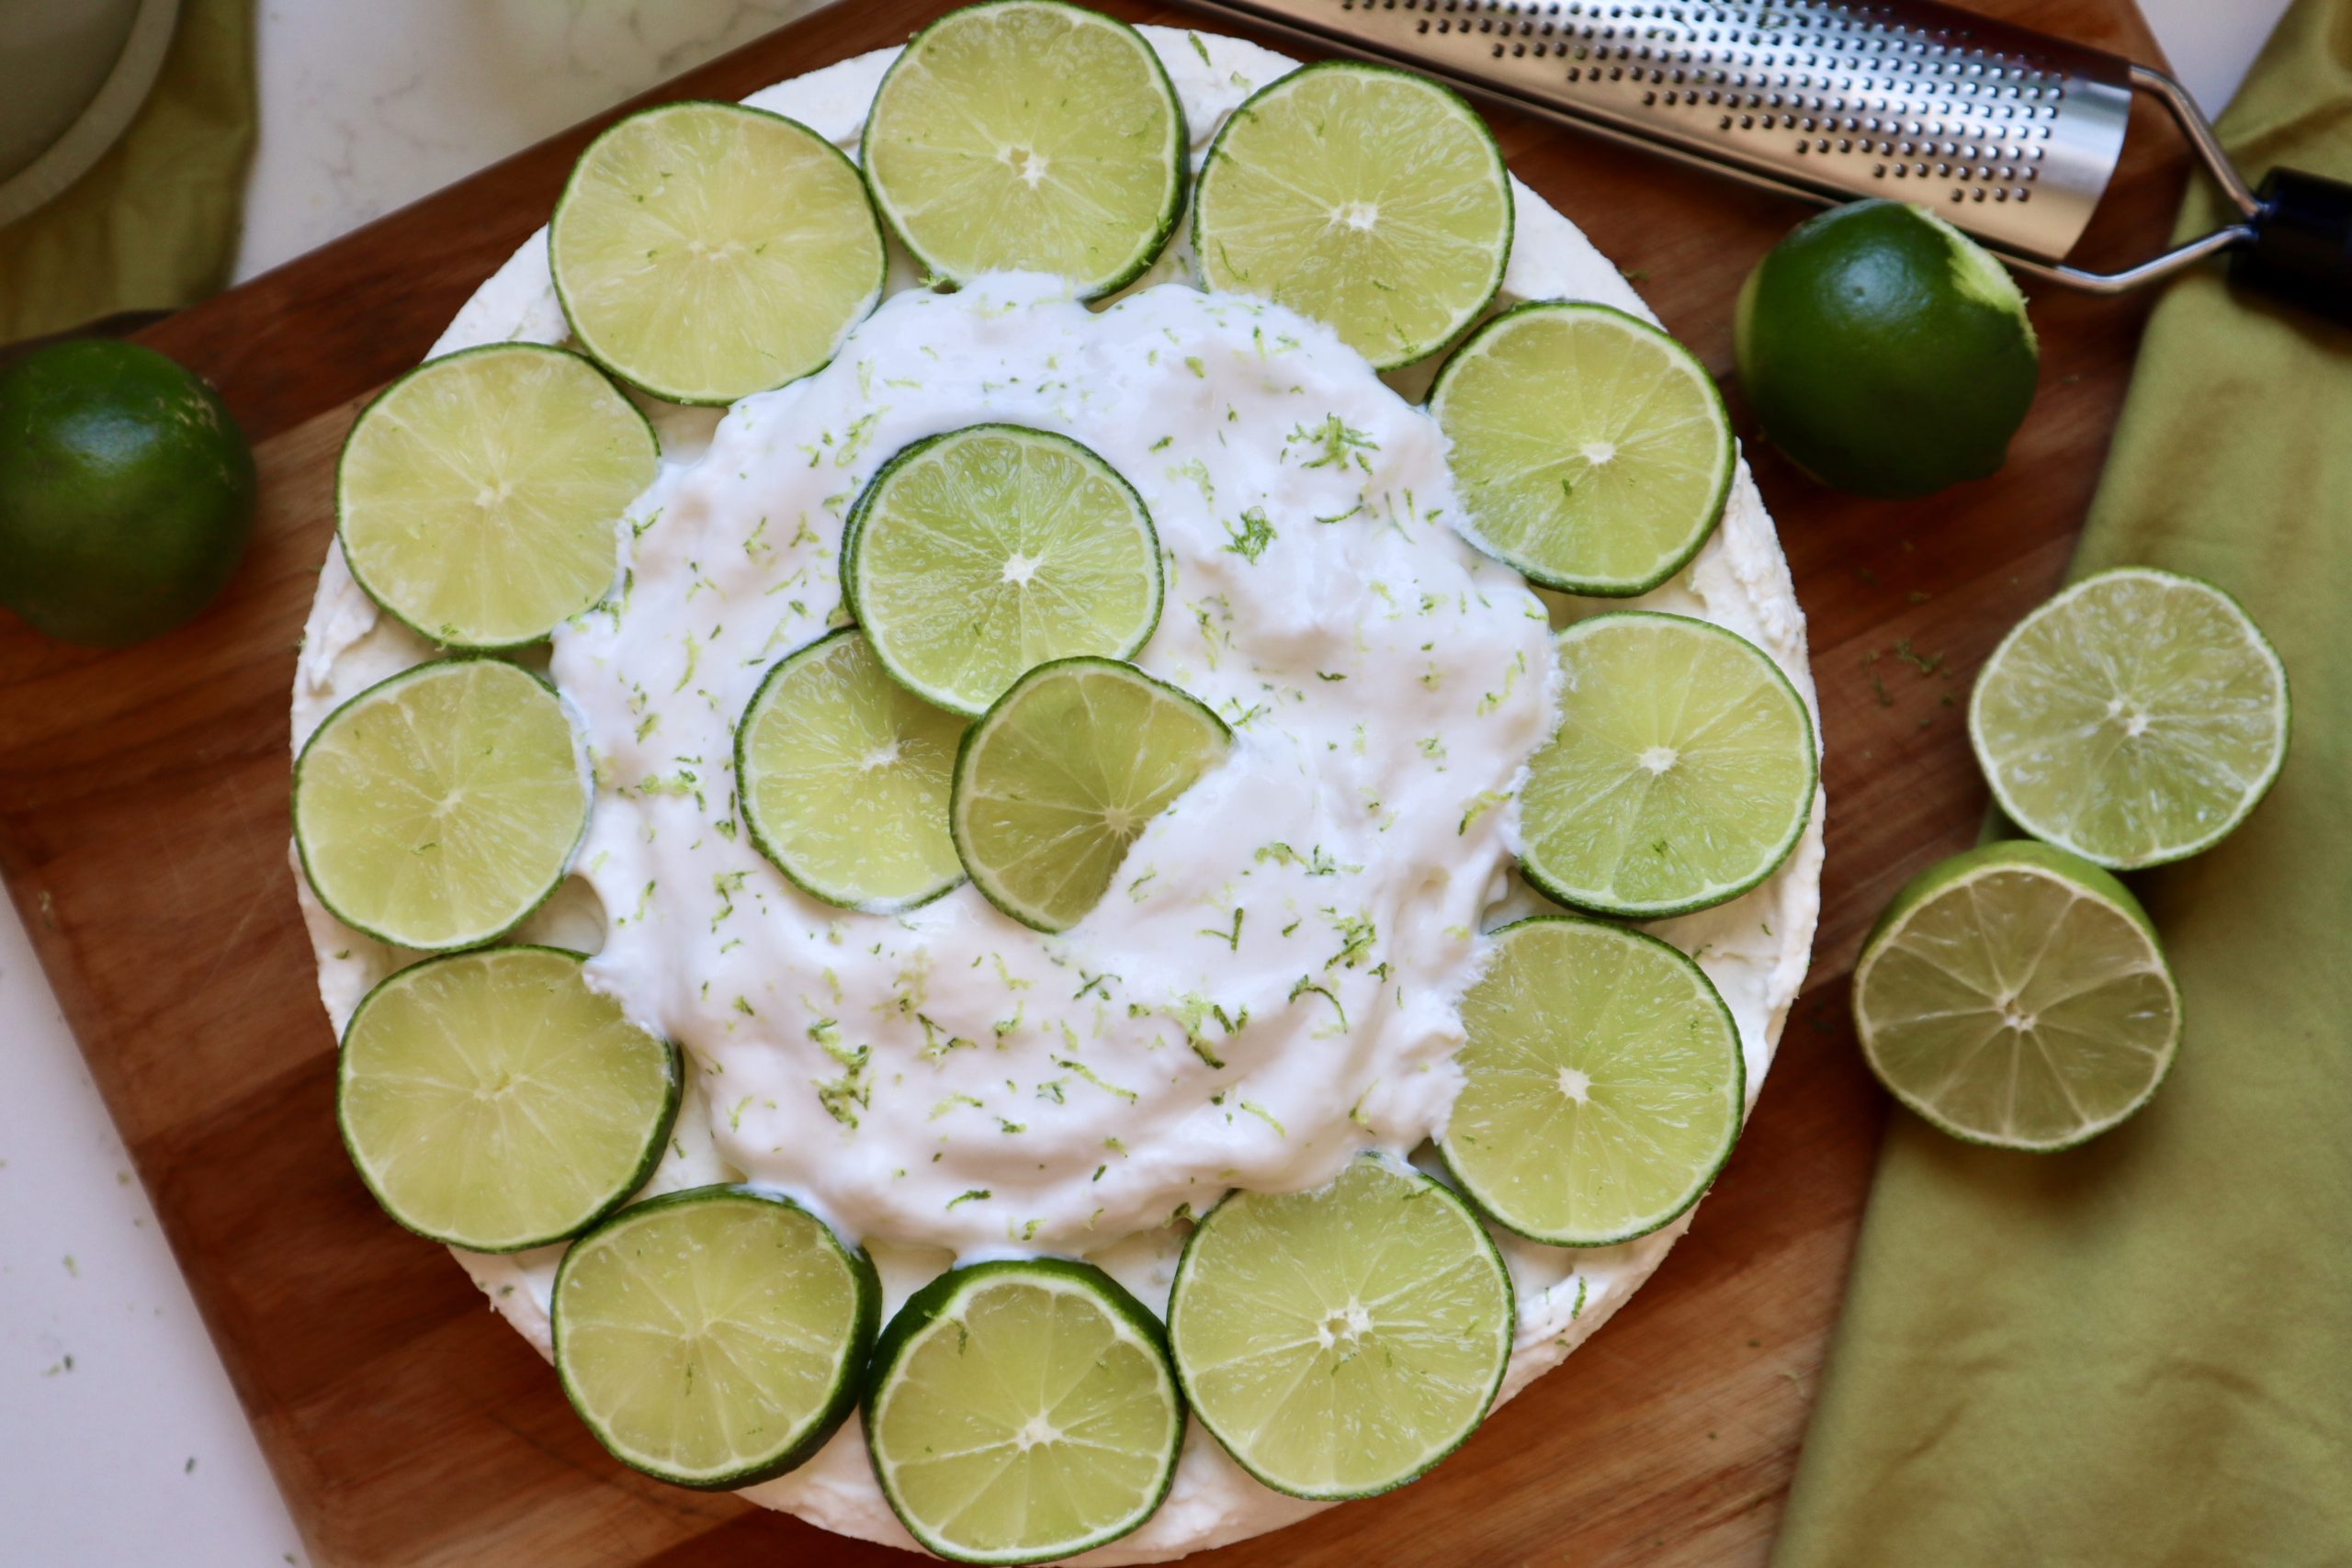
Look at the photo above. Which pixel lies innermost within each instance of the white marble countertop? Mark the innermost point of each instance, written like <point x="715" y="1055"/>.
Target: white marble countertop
<point x="120" y="1440"/>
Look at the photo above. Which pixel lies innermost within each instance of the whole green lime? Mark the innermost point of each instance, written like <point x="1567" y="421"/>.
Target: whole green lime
<point x="1885" y="351"/>
<point x="126" y="492"/>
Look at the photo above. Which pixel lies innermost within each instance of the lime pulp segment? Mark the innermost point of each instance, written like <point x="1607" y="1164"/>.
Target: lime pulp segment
<point x="706" y="251"/>
<point x="437" y="808"/>
<point x="2017" y="996"/>
<point x="1028" y="136"/>
<point x="1064" y="773"/>
<point x="1022" y="1411"/>
<point x="1592" y="450"/>
<point x="1340" y="1342"/>
<point x="714" y="1338"/>
<point x="1367" y="199"/>
<point x="477" y="498"/>
<point x="2134" y="719"/>
<point x="977" y="555"/>
<point x="845" y="776"/>
<point x="1682" y="775"/>
<point x="1602" y="1083"/>
<point x="492" y="1101"/>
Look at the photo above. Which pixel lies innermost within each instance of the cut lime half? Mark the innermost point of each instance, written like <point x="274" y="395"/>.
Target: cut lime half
<point x="1340" y="1342"/>
<point x="1682" y="775"/>
<point x="1367" y="199"/>
<point x="977" y="555"/>
<point x="2135" y="719"/>
<point x="439" y="807"/>
<point x="1022" y="1411"/>
<point x="1063" y="774"/>
<point x="714" y="1338"/>
<point x="2017" y="996"/>
<point x="1602" y="1083"/>
<point x="1590" y="450"/>
<point x="477" y="499"/>
<point x="706" y="251"/>
<point x="844" y="777"/>
<point x="1028" y="136"/>
<point x="492" y="1101"/>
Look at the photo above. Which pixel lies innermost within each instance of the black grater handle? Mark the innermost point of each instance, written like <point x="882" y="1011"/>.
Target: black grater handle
<point x="2302" y="249"/>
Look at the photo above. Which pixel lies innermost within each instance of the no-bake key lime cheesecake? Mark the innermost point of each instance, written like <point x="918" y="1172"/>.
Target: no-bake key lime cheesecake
<point x="954" y="847"/>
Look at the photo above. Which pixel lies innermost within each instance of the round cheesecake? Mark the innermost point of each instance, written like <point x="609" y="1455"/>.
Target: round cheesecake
<point x="1273" y="984"/>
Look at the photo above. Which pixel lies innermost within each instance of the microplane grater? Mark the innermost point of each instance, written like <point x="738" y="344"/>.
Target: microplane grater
<point x="2010" y="134"/>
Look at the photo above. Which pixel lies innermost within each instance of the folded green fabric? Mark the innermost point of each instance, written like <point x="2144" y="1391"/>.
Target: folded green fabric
<point x="2140" y="1352"/>
<point x="153" y="225"/>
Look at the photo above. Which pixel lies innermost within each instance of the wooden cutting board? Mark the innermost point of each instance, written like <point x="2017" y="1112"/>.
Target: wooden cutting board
<point x="144" y="835"/>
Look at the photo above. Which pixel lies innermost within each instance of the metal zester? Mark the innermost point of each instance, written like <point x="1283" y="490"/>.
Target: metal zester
<point x="2010" y="134"/>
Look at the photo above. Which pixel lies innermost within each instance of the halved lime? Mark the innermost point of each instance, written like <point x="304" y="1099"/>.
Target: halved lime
<point x="714" y="1338"/>
<point x="1022" y="1411"/>
<point x="708" y="251"/>
<point x="844" y="779"/>
<point x="1028" y="136"/>
<point x="1590" y="450"/>
<point x="2017" y="996"/>
<point x="1365" y="197"/>
<point x="2135" y="719"/>
<point x="437" y="808"/>
<point x="1063" y="774"/>
<point x="1340" y="1342"/>
<point x="1682" y="775"/>
<point x="492" y="1101"/>
<point x="1602" y="1083"/>
<point x="477" y="497"/>
<point x="985" y="552"/>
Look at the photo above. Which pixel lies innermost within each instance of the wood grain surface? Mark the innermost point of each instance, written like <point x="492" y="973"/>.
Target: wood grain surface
<point x="144" y="835"/>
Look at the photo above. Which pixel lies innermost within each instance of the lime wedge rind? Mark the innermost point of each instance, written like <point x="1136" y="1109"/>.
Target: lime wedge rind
<point x="1473" y="1169"/>
<point x="1152" y="236"/>
<point x="350" y="1069"/>
<point x="1219" y="270"/>
<point x="1997" y="759"/>
<point x="1969" y="874"/>
<point x="1769" y="858"/>
<point x="1476" y="1253"/>
<point x="845" y="1374"/>
<point x="513" y="914"/>
<point x="594" y="330"/>
<point x="942" y="1301"/>
<point x="1672" y="554"/>
<point x="364" y="554"/>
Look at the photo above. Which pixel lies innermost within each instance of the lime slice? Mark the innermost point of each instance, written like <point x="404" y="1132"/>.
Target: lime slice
<point x="1682" y="773"/>
<point x="1603" y="1084"/>
<point x="1063" y="774"/>
<point x="2134" y="719"/>
<point x="714" y="1338"/>
<point x="477" y="498"/>
<point x="1342" y="1342"/>
<point x="846" y="777"/>
<point x="1365" y="198"/>
<point x="1022" y="1411"/>
<point x="1590" y="450"/>
<point x="438" y="808"/>
<point x="2015" y="994"/>
<point x="492" y="1101"/>
<point x="1026" y="136"/>
<point x="977" y="554"/>
<point x="704" y="251"/>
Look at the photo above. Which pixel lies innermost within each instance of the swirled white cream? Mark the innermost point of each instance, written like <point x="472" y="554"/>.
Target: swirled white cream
<point x="1270" y="983"/>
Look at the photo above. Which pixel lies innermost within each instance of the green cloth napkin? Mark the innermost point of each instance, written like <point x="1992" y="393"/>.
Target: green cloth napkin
<point x="153" y="225"/>
<point x="2140" y="1352"/>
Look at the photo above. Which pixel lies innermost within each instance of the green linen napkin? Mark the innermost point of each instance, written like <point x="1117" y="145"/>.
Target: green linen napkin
<point x="2140" y="1352"/>
<point x="153" y="225"/>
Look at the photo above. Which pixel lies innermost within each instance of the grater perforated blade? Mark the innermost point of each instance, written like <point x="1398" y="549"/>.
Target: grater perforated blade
<point x="2009" y="134"/>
